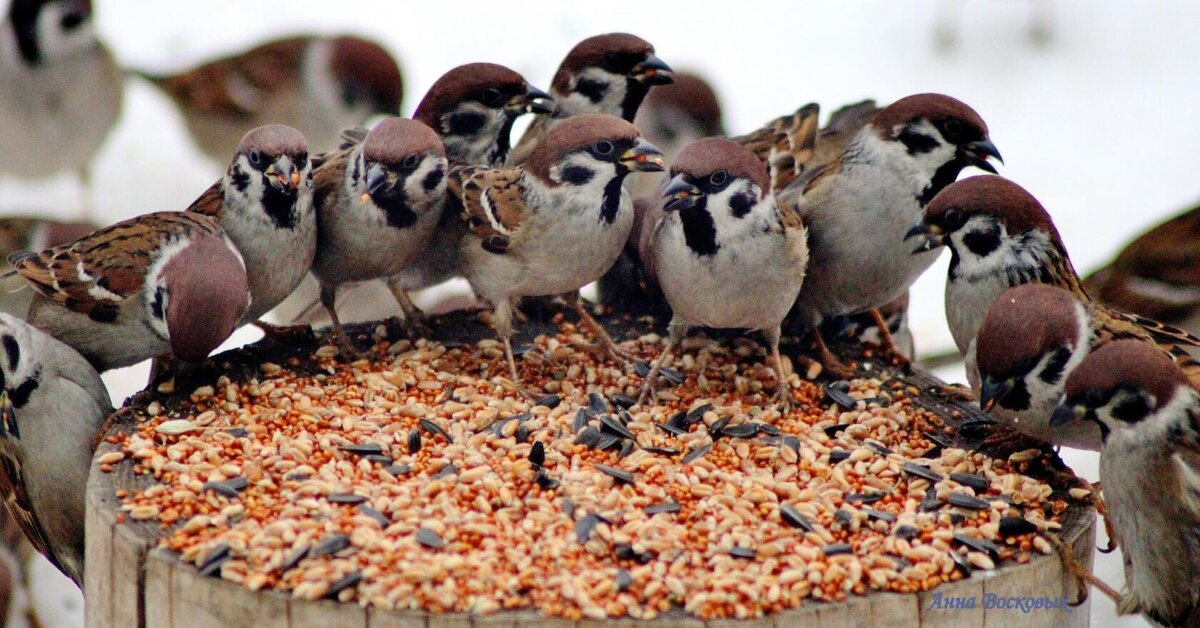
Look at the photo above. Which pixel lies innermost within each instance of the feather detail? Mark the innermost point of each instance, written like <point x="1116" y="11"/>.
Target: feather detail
<point x="492" y="203"/>
<point x="786" y="144"/>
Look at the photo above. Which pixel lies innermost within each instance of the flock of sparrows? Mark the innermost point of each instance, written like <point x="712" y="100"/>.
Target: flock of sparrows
<point x="785" y="228"/>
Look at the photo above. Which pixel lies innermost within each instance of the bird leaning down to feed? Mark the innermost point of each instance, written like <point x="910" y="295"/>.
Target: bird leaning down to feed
<point x="554" y="224"/>
<point x="1148" y="414"/>
<point x="609" y="74"/>
<point x="725" y="255"/>
<point x="378" y="200"/>
<point x="163" y="284"/>
<point x="264" y="203"/>
<point x="51" y="407"/>
<point x="858" y="207"/>
<point x="319" y="85"/>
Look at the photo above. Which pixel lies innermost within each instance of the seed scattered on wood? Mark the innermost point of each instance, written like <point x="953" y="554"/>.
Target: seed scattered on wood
<point x="345" y="582"/>
<point x="429" y="539"/>
<point x="966" y="501"/>
<point x="294" y="558"/>
<point x="696" y="453"/>
<point x="742" y="552"/>
<point x="979" y="545"/>
<point x="977" y="483"/>
<point x="619" y="475"/>
<point x="331" y="544"/>
<point x="961" y="562"/>
<point x="215" y="558"/>
<point x="363" y="449"/>
<point x="1013" y="526"/>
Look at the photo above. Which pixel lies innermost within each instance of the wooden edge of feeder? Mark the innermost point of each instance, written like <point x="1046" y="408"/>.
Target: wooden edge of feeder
<point x="130" y="582"/>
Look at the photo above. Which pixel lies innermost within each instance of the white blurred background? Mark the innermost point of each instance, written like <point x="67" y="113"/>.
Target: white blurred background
<point x="1094" y="105"/>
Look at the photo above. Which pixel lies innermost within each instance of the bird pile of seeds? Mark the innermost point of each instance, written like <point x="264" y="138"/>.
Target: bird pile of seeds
<point x="421" y="479"/>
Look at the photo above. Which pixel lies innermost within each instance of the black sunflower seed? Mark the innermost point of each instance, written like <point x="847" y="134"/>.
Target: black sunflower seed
<point x="832" y="430"/>
<point x="662" y="451"/>
<point x="624" y="580"/>
<point x="363" y="449"/>
<point x="296" y="477"/>
<point x="742" y="552"/>
<point x="957" y="518"/>
<point x="976" y="428"/>
<point x="537" y="454"/>
<point x="414" y="441"/>
<point x="865" y="498"/>
<point x="587" y="437"/>
<point x="840" y="397"/>
<point x="430" y="539"/>
<point x="522" y="434"/>
<point x="966" y="501"/>
<point x="627" y="448"/>
<point x="584" y="527"/>
<point x="379" y="517"/>
<point x="435" y="430"/>
<point x="345" y="498"/>
<point x="623" y="400"/>
<point x="608" y="422"/>
<point x="906" y="532"/>
<point x="625" y="551"/>
<point x="399" y="469"/>
<point x="544" y="481"/>
<point x="961" y="562"/>
<point x="497" y="426"/>
<point x="880" y="515"/>
<point x="745" y="430"/>
<point x="838" y="455"/>
<point x="879" y="448"/>
<point x="580" y="422"/>
<point x="671" y="375"/>
<point x="237" y="432"/>
<point x="294" y="559"/>
<point x="380" y="458"/>
<point x="696" y="453"/>
<point x="237" y="483"/>
<point x="793" y="442"/>
<point x="921" y="471"/>
<point x="768" y="429"/>
<point x="550" y="401"/>
<point x="931" y="502"/>
<point x="679" y="419"/>
<point x="936" y="439"/>
<point x="619" y="475"/>
<point x="793" y="517"/>
<point x="834" y="549"/>
<point x="568" y="507"/>
<point x="718" y="427"/>
<point x="331" y="544"/>
<point x="215" y="558"/>
<point x="671" y="429"/>
<point x="449" y="469"/>
<point x="841" y="384"/>
<point x="695" y="414"/>
<point x="663" y="507"/>
<point x="343" y="583"/>
<point x="843" y="516"/>
<point x="1012" y="526"/>
<point x="642" y="368"/>
<point x="606" y="441"/>
<point x="979" y="545"/>
<point x="596" y="404"/>
<point x="977" y="483"/>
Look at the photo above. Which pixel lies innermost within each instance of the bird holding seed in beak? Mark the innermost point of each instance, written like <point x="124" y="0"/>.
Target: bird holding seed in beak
<point x="1148" y="414"/>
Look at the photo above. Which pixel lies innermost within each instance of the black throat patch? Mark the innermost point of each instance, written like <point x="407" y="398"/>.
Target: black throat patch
<point x="394" y="203"/>
<point x="612" y="198"/>
<point x="280" y="206"/>
<point x="24" y="17"/>
<point x="635" y="92"/>
<point x="699" y="230"/>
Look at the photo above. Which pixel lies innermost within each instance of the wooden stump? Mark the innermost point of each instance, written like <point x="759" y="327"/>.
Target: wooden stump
<point x="130" y="582"/>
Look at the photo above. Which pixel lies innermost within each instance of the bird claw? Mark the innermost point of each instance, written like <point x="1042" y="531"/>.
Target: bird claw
<point x="299" y="330"/>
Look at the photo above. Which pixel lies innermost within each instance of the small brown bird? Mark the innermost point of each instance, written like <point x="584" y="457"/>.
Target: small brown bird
<point x="27" y="233"/>
<point x="168" y="283"/>
<point x="318" y="85"/>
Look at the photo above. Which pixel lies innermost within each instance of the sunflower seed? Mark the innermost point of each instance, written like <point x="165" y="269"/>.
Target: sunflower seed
<point x="597" y="405"/>
<point x="695" y="414"/>
<point x="331" y="544"/>
<point x="679" y="419"/>
<point x="620" y="475"/>
<point x="961" y="562"/>
<point x="671" y="429"/>
<point x="843" y="517"/>
<point x="642" y="368"/>
<point x="237" y="432"/>
<point x="435" y="430"/>
<point x="745" y="430"/>
<point x="742" y="552"/>
<point x="343" y="583"/>
<point x="977" y="483"/>
<point x="623" y="401"/>
<point x="834" y="549"/>
<point x="880" y="515"/>
<point x="345" y="498"/>
<point x="537" y="454"/>
<point x="550" y="401"/>
<point x="793" y="517"/>
<point x="879" y="448"/>
<point x="376" y="515"/>
<point x="215" y="558"/>
<point x="832" y="430"/>
<point x="979" y="545"/>
<point x="791" y="441"/>
<point x="625" y="551"/>
<point x="380" y="458"/>
<point x="966" y="501"/>
<point x="921" y="471"/>
<point x="671" y="375"/>
<point x="363" y="449"/>
<point x="414" y="441"/>
<point x="296" y="477"/>
<point x="838" y="455"/>
<point x="624" y="580"/>
<point x="663" y="507"/>
<point x="616" y="427"/>
<point x="399" y="469"/>
<point x="840" y="397"/>
<point x="584" y="527"/>
<point x="587" y="437"/>
<point x="429" y="539"/>
<point x="865" y="498"/>
<point x="931" y="502"/>
<point x="581" y="420"/>
<point x="449" y="469"/>
<point x="627" y="448"/>
<point x="906" y="532"/>
<point x="606" y="441"/>
<point x="220" y="488"/>
<point x="662" y="451"/>
<point x="294" y="559"/>
<point x="976" y="428"/>
<point x="1012" y="526"/>
<point x="768" y="429"/>
<point x="696" y="453"/>
<point x="544" y="481"/>
<point x="522" y="434"/>
<point x="568" y="507"/>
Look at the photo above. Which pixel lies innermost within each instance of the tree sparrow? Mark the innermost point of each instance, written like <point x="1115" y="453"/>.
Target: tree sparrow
<point x="602" y="74"/>
<point x="27" y="233"/>
<point x="859" y="207"/>
<point x="724" y="254"/>
<point x="62" y="88"/>
<point x="378" y="203"/>
<point x="162" y="283"/>
<point x="264" y="203"/>
<point x="555" y="223"/>
<point x="319" y="85"/>
<point x="1148" y="414"/>
<point x="51" y="407"/>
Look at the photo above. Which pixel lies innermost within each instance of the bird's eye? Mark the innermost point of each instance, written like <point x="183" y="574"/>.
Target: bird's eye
<point x="952" y="128"/>
<point x="491" y="96"/>
<point x="610" y="61"/>
<point x="953" y="218"/>
<point x="255" y="158"/>
<point x="718" y="178"/>
<point x="603" y="147"/>
<point x="411" y="161"/>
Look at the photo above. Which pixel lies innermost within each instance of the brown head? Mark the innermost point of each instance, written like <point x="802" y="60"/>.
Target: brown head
<point x="603" y="138"/>
<point x="708" y="166"/>
<point x="692" y="95"/>
<point x="488" y="84"/>
<point x="1006" y="202"/>
<point x="396" y="150"/>
<point x="394" y="140"/>
<point x="367" y="74"/>
<point x="614" y="64"/>
<point x="276" y="152"/>
<point x="206" y="294"/>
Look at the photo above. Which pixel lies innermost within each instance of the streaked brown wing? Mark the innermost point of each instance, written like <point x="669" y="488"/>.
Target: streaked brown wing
<point x="785" y="144"/>
<point x="20" y="508"/>
<point x="491" y="202"/>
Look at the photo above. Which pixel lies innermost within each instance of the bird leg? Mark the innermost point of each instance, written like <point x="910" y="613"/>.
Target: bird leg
<point x="414" y="318"/>
<point x="1083" y="576"/>
<point x="783" y="393"/>
<point x="605" y="341"/>
<point x="826" y="361"/>
<point x="338" y="333"/>
<point x="269" y="330"/>
<point x="655" y="368"/>
<point x="887" y="344"/>
<point x="1102" y="510"/>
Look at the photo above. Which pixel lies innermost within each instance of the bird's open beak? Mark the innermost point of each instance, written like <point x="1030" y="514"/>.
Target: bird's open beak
<point x="533" y="100"/>
<point x="8" y="417"/>
<point x="644" y="157"/>
<point x="1066" y="413"/>
<point x="680" y="194"/>
<point x="283" y="175"/>
<point x="652" y="71"/>
<point x="977" y="154"/>
<point x="376" y="177"/>
<point x="929" y="237"/>
<point x="992" y="391"/>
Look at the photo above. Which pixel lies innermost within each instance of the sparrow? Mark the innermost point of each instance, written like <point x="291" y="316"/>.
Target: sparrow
<point x="675" y="115"/>
<point x="725" y="255"/>
<point x="62" y="89"/>
<point x="1148" y="415"/>
<point x="555" y="223"/>
<point x="1157" y="275"/>
<point x="378" y="203"/>
<point x="52" y="404"/>
<point x="859" y="206"/>
<point x="29" y="233"/>
<point x="608" y="74"/>
<point x="264" y="203"/>
<point x="319" y="85"/>
<point x="162" y="283"/>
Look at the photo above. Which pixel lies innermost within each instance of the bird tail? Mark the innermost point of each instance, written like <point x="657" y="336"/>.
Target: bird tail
<point x="786" y="144"/>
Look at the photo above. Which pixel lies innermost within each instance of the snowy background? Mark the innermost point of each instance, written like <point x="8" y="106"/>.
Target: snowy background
<point x="1099" y="121"/>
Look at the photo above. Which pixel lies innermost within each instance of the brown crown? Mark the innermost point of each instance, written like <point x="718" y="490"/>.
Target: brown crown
<point x="1022" y="324"/>
<point x="393" y="139"/>
<point x="996" y="196"/>
<point x="576" y="133"/>
<point x="1127" y="363"/>
<point x="366" y="66"/>
<point x="691" y="94"/>
<point x="464" y="83"/>
<point x="933" y="107"/>
<point x="705" y="156"/>
<point x="274" y="140"/>
<point x="590" y="53"/>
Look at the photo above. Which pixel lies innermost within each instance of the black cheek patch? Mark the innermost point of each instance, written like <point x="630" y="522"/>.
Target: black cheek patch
<point x="577" y="175"/>
<point x="19" y="396"/>
<point x="699" y="231"/>
<point x="394" y="203"/>
<point x="156" y="307"/>
<point x="983" y="242"/>
<point x="1017" y="399"/>
<point x="740" y="204"/>
<point x="612" y="200"/>
<point x="13" y="351"/>
<point x="432" y="179"/>
<point x="241" y="179"/>
<point x="465" y="123"/>
<point x="279" y="206"/>
<point x="917" y="142"/>
<point x="1132" y="410"/>
<point x="591" y="89"/>
<point x="1054" y="369"/>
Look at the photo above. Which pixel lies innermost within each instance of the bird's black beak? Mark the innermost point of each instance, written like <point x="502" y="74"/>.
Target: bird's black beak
<point x="644" y="157"/>
<point x="8" y="417"/>
<point x="929" y="237"/>
<point x="680" y="194"/>
<point x="993" y="390"/>
<point x="652" y="71"/>
<point x="376" y="177"/>
<point x="283" y="175"/>
<point x="1064" y="414"/>
<point x="977" y="154"/>
<point x="533" y="100"/>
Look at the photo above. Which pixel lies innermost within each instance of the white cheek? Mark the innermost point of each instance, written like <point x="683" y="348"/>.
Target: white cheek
<point x="726" y="223"/>
<point x="602" y="171"/>
<point x="414" y="185"/>
<point x="614" y="94"/>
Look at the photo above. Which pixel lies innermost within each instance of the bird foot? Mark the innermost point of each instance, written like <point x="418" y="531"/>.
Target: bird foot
<point x="1084" y="578"/>
<point x="782" y="400"/>
<point x="1102" y="511"/>
<point x="954" y="392"/>
<point x="344" y="344"/>
<point x="299" y="330"/>
<point x="1002" y="441"/>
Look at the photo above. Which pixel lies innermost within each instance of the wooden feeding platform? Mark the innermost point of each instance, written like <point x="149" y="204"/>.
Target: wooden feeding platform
<point x="134" y="577"/>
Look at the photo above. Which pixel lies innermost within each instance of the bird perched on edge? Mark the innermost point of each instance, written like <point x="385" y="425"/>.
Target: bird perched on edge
<point x="858" y="207"/>
<point x="725" y="255"/>
<point x="319" y="85"/>
<point x="264" y="204"/>
<point x="168" y="283"/>
<point x="555" y="223"/>
<point x="609" y="74"/>
<point x="378" y="201"/>
<point x="52" y="405"/>
<point x="1149" y="416"/>
<point x="62" y="89"/>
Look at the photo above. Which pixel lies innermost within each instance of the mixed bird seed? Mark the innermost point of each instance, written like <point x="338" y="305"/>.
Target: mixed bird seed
<point x="423" y="480"/>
